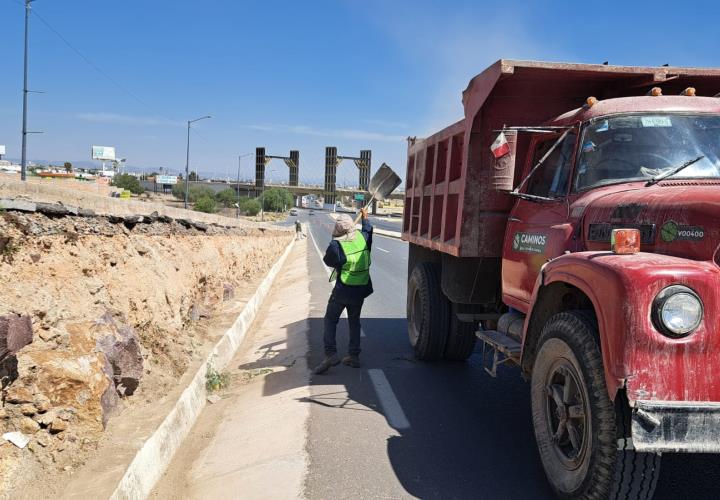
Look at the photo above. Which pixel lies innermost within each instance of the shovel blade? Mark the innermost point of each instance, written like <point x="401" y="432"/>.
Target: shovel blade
<point x="383" y="183"/>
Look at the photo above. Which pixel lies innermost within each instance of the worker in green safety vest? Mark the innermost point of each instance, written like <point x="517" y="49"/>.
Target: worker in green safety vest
<point x="349" y="255"/>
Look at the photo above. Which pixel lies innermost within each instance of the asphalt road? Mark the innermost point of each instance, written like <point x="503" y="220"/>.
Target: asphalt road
<point x="387" y="223"/>
<point x="399" y="428"/>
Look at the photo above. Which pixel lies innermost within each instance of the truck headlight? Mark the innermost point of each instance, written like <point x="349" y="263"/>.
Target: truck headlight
<point x="677" y="311"/>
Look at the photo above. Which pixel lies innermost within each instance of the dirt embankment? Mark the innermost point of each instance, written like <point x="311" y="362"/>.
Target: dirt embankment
<point x="117" y="310"/>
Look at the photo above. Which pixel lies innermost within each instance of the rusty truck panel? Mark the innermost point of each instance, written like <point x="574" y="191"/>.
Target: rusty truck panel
<point x="451" y="204"/>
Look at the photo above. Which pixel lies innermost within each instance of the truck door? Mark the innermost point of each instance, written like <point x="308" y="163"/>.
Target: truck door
<point x="538" y="228"/>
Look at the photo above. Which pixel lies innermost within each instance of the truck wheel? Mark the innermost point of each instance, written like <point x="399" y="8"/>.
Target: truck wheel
<point x="427" y="312"/>
<point x="461" y="338"/>
<point x="582" y="440"/>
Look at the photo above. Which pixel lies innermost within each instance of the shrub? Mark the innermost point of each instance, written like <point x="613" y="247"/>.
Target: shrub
<point x="194" y="192"/>
<point x="277" y="199"/>
<point x="127" y="181"/>
<point x="227" y="197"/>
<point x="250" y="206"/>
<point x="205" y="204"/>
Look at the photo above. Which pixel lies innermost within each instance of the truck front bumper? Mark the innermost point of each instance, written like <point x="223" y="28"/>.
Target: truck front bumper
<point x="670" y="426"/>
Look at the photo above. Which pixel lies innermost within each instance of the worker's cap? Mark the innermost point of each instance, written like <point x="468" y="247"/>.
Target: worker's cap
<point x="344" y="227"/>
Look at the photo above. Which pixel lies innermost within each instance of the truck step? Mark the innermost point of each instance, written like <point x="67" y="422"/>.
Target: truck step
<point x="503" y="347"/>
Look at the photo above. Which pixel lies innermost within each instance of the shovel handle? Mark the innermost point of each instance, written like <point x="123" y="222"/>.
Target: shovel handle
<point x="357" y="219"/>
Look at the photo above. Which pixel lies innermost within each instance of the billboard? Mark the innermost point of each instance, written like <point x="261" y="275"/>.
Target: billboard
<point x="103" y="153"/>
<point x="166" y="179"/>
<point x="2" y="149"/>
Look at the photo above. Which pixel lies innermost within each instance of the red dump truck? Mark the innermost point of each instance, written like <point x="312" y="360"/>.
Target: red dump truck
<point x="570" y="222"/>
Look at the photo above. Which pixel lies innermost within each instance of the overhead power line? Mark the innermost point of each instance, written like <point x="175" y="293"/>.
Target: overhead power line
<point x="94" y="66"/>
<point x="106" y="75"/>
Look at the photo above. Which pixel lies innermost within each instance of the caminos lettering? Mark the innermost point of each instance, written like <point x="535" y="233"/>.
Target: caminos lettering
<point x="529" y="242"/>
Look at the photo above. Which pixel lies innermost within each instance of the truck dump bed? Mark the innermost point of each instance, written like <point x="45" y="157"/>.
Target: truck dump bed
<point x="450" y="202"/>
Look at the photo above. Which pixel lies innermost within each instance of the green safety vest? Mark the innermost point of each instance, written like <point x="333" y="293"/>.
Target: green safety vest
<point x="356" y="270"/>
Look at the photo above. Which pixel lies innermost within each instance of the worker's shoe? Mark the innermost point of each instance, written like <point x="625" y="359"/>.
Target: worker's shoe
<point x="352" y="360"/>
<point x="331" y="360"/>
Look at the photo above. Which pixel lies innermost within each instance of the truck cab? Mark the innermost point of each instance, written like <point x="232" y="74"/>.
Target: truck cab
<point x="520" y="247"/>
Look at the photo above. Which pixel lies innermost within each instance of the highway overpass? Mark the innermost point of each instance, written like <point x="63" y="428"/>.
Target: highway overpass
<point x="248" y="189"/>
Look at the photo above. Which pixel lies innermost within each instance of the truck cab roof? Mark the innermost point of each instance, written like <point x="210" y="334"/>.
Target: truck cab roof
<point x="641" y="104"/>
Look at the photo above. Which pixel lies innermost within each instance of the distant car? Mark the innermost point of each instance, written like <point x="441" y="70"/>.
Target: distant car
<point x="293" y="211"/>
<point x="312" y="212"/>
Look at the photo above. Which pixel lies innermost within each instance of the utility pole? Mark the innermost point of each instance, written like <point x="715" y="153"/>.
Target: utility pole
<point x="187" y="158"/>
<point x="23" y="161"/>
<point x="238" y="186"/>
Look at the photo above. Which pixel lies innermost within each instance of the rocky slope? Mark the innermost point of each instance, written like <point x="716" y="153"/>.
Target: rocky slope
<point x="117" y="307"/>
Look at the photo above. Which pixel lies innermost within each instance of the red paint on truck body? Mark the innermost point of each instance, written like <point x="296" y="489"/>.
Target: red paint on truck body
<point x="622" y="288"/>
<point x="450" y="207"/>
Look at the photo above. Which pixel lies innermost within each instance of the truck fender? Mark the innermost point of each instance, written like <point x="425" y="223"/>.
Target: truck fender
<point x="620" y="290"/>
<point x="571" y="283"/>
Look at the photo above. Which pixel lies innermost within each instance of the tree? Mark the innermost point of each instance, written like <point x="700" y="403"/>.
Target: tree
<point x="68" y="167"/>
<point x="206" y="204"/>
<point x="227" y="197"/>
<point x="129" y="182"/>
<point x="250" y="206"/>
<point x="193" y="176"/>
<point x="277" y="199"/>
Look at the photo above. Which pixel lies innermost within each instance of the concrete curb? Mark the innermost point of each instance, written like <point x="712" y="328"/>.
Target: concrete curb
<point x="155" y="455"/>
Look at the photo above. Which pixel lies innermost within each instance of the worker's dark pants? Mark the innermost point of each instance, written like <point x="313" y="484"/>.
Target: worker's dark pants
<point x="332" y="316"/>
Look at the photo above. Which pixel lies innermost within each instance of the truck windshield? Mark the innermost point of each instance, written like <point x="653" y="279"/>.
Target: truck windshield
<point x="640" y="147"/>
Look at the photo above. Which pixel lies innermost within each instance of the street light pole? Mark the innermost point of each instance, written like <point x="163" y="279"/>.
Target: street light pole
<point x="187" y="157"/>
<point x="23" y="161"/>
<point x="262" y="201"/>
<point x="238" y="186"/>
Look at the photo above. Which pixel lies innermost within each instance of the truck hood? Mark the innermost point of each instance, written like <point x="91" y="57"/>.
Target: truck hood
<point x="680" y="218"/>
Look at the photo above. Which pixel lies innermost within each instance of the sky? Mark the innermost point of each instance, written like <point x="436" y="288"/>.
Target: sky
<point x="296" y="75"/>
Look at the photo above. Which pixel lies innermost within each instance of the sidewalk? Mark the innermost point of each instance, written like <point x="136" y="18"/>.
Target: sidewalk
<point x="251" y="443"/>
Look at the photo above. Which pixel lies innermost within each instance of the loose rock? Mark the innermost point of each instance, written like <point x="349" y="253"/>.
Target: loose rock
<point x="15" y="333"/>
<point x="28" y="410"/>
<point x="43" y="439"/>
<point x="58" y="425"/>
<point x="42" y="403"/>
<point x="18" y="395"/>
<point x="122" y="349"/>
<point x="28" y="426"/>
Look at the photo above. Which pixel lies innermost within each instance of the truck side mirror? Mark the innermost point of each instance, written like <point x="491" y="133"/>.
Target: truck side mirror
<point x="504" y="156"/>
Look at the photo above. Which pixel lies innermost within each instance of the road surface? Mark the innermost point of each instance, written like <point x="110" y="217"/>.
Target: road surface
<point x="387" y="223"/>
<point x="398" y="428"/>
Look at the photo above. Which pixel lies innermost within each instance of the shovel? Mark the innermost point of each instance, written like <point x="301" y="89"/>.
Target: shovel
<point x="382" y="184"/>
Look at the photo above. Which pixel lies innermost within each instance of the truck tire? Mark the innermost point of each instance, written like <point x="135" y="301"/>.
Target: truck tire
<point x="581" y="437"/>
<point x="427" y="312"/>
<point x="461" y="338"/>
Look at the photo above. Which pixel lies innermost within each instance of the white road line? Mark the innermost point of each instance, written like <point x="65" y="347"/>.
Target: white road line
<point x="328" y="271"/>
<point x="391" y="406"/>
<point x="381" y="249"/>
